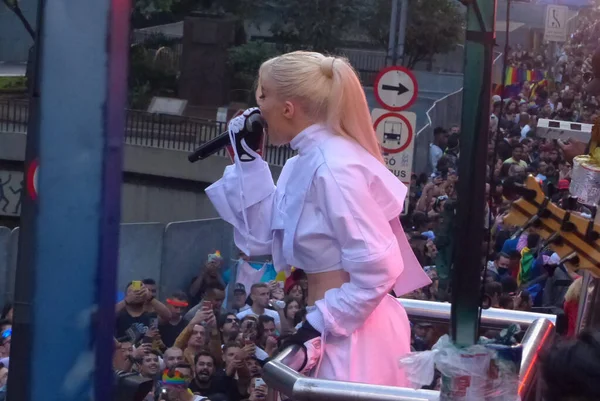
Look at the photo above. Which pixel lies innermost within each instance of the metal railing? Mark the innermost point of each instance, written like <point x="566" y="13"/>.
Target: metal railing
<point x="14" y="115"/>
<point x="492" y="318"/>
<point x="150" y="129"/>
<point x="281" y="374"/>
<point x="537" y="337"/>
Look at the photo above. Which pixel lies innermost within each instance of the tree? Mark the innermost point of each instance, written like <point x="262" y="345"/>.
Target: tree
<point x="144" y="8"/>
<point x="319" y="25"/>
<point x="245" y="61"/>
<point x="13" y="5"/>
<point x="434" y="26"/>
<point x="149" y="7"/>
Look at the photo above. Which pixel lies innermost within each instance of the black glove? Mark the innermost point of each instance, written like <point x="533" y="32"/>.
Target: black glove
<point x="304" y="334"/>
<point x="247" y="135"/>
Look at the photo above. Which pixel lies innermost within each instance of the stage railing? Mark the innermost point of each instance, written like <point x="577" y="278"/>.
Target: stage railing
<point x="492" y="318"/>
<point x="282" y="377"/>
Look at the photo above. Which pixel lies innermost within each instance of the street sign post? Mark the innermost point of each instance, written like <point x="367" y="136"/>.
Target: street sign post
<point x="555" y="27"/>
<point x="396" y="88"/>
<point x="396" y="135"/>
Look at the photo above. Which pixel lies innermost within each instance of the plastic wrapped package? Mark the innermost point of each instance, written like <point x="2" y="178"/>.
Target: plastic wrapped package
<point x="585" y="183"/>
<point x="481" y="372"/>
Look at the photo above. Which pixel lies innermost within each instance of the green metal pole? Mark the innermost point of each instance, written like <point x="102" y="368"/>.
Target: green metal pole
<point x="466" y="272"/>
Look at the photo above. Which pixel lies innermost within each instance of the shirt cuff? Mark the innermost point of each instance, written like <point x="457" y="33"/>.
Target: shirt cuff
<point x="316" y="320"/>
<point x="257" y="181"/>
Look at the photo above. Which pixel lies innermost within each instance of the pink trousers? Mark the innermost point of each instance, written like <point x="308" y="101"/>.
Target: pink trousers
<point x="371" y="354"/>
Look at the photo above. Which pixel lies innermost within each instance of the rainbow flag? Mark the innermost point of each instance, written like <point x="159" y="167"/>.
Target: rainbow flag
<point x="519" y="75"/>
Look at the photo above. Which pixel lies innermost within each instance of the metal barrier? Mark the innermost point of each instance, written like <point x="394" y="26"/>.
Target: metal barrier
<point x="493" y="318"/>
<point x="14" y="116"/>
<point x="151" y="129"/>
<point x="539" y="334"/>
<point x="281" y="374"/>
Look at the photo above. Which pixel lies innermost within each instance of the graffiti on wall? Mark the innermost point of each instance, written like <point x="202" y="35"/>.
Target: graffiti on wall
<point x="11" y="187"/>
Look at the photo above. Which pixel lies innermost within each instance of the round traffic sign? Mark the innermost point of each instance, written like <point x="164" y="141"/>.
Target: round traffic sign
<point x="396" y="88"/>
<point x="32" y="179"/>
<point x="394" y="132"/>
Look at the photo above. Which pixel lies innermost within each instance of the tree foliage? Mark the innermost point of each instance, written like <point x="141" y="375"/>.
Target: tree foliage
<point x="245" y="61"/>
<point x="13" y="5"/>
<point x="149" y="7"/>
<point x="141" y="9"/>
<point x="434" y="26"/>
<point x="318" y="25"/>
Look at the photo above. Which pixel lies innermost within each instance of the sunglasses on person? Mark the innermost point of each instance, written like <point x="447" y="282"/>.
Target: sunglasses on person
<point x="232" y="320"/>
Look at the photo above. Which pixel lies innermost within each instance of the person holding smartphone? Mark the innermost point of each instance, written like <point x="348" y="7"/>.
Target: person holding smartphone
<point x="257" y="389"/>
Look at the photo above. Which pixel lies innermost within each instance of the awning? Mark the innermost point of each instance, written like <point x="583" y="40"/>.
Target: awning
<point x="513" y="26"/>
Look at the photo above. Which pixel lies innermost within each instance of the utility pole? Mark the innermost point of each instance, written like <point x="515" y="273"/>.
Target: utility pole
<point x="466" y="272"/>
<point x="397" y="35"/>
<point x="402" y="29"/>
<point x="392" y="50"/>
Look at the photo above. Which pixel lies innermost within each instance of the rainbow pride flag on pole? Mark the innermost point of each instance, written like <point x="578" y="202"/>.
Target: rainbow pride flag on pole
<point x="518" y="76"/>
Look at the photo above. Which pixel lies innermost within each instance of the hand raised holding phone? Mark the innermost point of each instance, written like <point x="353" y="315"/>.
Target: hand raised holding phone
<point x="201" y="316"/>
<point x="212" y="320"/>
<point x="248" y="350"/>
<point x="142" y="350"/>
<point x="259" y="392"/>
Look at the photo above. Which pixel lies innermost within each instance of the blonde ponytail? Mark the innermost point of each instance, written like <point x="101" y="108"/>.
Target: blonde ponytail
<point x="329" y="90"/>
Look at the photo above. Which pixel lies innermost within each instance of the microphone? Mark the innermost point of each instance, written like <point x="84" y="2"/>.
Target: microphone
<point x="253" y="124"/>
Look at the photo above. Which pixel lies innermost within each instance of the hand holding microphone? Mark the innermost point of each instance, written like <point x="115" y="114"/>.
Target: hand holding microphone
<point x="246" y="135"/>
<point x="244" y="138"/>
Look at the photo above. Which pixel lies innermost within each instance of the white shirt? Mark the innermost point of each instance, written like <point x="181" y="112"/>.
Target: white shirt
<point x="526" y="128"/>
<point x="268" y="312"/>
<point x="335" y="207"/>
<point x="435" y="154"/>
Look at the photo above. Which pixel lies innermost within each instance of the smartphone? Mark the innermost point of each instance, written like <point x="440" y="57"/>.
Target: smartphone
<point x="153" y="323"/>
<point x="206" y="305"/>
<point x="259" y="382"/>
<point x="136" y="285"/>
<point x="248" y="339"/>
<point x="147" y="340"/>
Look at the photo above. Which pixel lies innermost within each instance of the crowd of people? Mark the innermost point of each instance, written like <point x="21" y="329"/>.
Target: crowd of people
<point x="521" y="271"/>
<point x="216" y="352"/>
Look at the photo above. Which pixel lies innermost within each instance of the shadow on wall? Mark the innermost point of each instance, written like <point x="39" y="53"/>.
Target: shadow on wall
<point x="172" y="254"/>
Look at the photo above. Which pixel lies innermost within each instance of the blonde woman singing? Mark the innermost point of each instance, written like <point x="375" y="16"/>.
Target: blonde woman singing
<point x="334" y="214"/>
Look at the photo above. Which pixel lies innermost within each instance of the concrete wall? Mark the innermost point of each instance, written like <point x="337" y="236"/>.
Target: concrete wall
<point x="14" y="39"/>
<point x="159" y="185"/>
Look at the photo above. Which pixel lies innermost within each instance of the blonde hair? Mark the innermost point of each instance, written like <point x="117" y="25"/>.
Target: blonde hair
<point x="329" y="90"/>
<point x="574" y="291"/>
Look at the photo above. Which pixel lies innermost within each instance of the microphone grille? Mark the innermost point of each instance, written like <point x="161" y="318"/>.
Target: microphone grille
<point x="254" y="122"/>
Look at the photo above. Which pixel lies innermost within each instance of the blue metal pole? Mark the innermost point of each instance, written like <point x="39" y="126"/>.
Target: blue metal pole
<point x="82" y="92"/>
